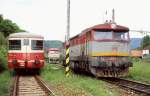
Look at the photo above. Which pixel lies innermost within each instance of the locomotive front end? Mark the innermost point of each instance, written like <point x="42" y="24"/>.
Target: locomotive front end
<point x="110" y="52"/>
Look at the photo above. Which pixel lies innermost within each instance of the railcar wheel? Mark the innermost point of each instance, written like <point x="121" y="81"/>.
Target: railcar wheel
<point x="72" y="65"/>
<point x="38" y="71"/>
<point x="76" y="69"/>
<point x="15" y="71"/>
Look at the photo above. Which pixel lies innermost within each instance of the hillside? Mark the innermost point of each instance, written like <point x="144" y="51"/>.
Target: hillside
<point x="52" y="44"/>
<point x="135" y="43"/>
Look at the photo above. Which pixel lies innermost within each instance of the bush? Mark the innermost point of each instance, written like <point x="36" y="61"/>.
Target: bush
<point x="3" y="57"/>
<point x="5" y="81"/>
<point x="136" y="59"/>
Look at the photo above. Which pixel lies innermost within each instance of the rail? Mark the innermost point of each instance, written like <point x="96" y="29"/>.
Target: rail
<point x="42" y="83"/>
<point x="30" y="86"/>
<point x="129" y="84"/>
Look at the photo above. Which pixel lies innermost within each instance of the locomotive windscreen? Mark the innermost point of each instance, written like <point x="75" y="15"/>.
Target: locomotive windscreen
<point x="103" y="35"/>
<point x="14" y="44"/>
<point x="37" y="44"/>
<point x="100" y="35"/>
<point x="121" y="35"/>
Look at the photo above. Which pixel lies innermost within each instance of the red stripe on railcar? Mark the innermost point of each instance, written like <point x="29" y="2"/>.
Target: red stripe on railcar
<point x="25" y="60"/>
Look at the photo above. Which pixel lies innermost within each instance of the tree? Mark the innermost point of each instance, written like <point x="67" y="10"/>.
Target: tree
<point x="1" y="18"/>
<point x="3" y="41"/>
<point x="145" y="41"/>
<point x="7" y="26"/>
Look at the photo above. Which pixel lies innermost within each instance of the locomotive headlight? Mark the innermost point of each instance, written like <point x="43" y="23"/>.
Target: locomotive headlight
<point x="113" y="26"/>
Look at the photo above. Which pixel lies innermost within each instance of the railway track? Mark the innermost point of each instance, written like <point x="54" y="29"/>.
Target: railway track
<point x="132" y="85"/>
<point x="30" y="86"/>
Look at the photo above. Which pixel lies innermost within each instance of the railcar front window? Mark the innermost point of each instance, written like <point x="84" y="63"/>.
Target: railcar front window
<point x="121" y="35"/>
<point x="26" y="42"/>
<point x="37" y="44"/>
<point x="14" y="44"/>
<point x="99" y="35"/>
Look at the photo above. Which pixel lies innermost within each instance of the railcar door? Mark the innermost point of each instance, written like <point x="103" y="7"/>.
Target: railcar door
<point x="82" y="46"/>
<point x="87" y="43"/>
<point x="26" y="49"/>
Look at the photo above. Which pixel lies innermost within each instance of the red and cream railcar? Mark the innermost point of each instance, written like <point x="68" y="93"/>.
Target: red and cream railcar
<point x="102" y="50"/>
<point x="53" y="55"/>
<point x="25" y="51"/>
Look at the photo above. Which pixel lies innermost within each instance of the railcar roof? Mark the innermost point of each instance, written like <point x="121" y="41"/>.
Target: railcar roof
<point x="24" y="35"/>
<point x="107" y="26"/>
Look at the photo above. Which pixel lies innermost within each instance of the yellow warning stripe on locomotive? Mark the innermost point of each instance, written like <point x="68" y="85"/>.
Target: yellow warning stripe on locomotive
<point x="109" y="54"/>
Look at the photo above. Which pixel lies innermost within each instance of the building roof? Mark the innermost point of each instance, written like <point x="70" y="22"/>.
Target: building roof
<point x="136" y="53"/>
<point x="106" y="26"/>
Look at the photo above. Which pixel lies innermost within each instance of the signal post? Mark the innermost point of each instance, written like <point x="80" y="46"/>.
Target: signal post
<point x="67" y="61"/>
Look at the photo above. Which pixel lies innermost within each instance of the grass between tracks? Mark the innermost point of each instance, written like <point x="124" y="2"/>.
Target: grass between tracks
<point x="140" y="71"/>
<point x="5" y="78"/>
<point x="75" y="85"/>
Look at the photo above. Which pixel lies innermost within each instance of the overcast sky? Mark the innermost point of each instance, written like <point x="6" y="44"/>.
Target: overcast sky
<point x="48" y="17"/>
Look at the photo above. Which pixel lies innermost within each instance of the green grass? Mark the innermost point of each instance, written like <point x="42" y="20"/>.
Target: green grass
<point x="76" y="84"/>
<point x="5" y="78"/>
<point x="140" y="71"/>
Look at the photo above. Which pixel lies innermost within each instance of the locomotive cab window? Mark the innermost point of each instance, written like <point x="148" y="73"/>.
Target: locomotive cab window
<point x="14" y="44"/>
<point x="99" y="35"/>
<point x="121" y="35"/>
<point x="37" y="44"/>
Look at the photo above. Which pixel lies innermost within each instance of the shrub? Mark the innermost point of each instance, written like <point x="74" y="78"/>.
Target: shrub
<point x="3" y="57"/>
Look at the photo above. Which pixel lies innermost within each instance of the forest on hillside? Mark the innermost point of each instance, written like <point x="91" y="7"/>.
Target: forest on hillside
<point x="52" y="44"/>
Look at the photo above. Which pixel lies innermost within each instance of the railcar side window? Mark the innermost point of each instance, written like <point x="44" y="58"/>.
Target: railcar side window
<point x="14" y="44"/>
<point x="99" y="35"/>
<point x="37" y="45"/>
<point x="121" y="35"/>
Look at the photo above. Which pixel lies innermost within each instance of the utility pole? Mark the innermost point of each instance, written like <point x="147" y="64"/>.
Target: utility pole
<point x="68" y="19"/>
<point x="68" y="42"/>
<point x="113" y="16"/>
